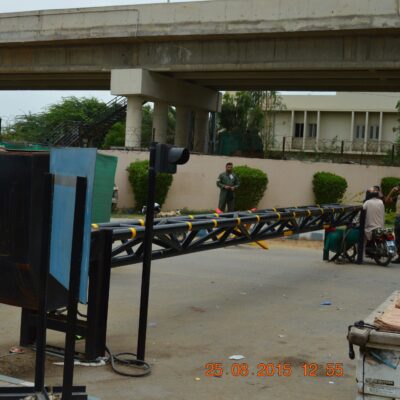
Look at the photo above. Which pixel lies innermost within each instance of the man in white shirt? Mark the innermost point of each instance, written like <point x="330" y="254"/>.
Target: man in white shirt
<point x="375" y="212"/>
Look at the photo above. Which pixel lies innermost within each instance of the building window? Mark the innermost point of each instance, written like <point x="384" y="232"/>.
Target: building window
<point x="374" y="132"/>
<point x="312" y="131"/>
<point x="299" y="130"/>
<point x="360" y="131"/>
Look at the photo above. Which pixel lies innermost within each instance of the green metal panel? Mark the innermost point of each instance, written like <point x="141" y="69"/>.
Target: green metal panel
<point x="103" y="187"/>
<point x="23" y="147"/>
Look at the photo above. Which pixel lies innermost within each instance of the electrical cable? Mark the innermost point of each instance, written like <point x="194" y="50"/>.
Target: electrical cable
<point x="118" y="358"/>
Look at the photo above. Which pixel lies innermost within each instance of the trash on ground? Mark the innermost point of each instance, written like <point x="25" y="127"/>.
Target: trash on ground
<point x="326" y="303"/>
<point x="237" y="357"/>
<point x="100" y="363"/>
<point x="16" y="350"/>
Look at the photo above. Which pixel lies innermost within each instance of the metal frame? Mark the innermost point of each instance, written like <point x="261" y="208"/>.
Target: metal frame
<point x="94" y="327"/>
<point x="187" y="234"/>
<point x="177" y="236"/>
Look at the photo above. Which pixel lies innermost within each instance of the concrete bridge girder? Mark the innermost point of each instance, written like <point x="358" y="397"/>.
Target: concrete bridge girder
<point x="341" y="61"/>
<point x="139" y="85"/>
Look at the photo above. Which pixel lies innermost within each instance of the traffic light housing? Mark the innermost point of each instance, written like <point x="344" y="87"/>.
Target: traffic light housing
<point x="168" y="157"/>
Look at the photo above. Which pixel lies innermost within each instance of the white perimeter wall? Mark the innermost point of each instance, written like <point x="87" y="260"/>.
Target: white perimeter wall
<point x="290" y="182"/>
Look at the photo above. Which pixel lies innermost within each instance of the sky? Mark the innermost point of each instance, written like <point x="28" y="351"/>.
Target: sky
<point x="14" y="103"/>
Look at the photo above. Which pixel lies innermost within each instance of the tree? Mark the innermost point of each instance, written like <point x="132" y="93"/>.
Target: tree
<point x="270" y="102"/>
<point x="38" y="127"/>
<point x="115" y="136"/>
<point x="240" y="113"/>
<point x="251" y="111"/>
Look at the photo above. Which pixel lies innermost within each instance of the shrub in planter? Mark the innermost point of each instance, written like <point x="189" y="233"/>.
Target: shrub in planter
<point x="387" y="184"/>
<point x="328" y="187"/>
<point x="253" y="183"/>
<point x="138" y="177"/>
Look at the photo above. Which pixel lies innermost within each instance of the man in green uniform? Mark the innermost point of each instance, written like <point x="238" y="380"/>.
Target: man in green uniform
<point x="228" y="182"/>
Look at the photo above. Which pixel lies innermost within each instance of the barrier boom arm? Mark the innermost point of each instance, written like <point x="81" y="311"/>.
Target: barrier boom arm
<point x="181" y="235"/>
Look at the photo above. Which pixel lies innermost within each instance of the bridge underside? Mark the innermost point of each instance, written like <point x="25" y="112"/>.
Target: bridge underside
<point x="319" y="80"/>
<point x="351" y="62"/>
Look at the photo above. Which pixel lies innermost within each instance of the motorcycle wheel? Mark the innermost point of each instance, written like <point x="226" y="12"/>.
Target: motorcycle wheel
<point x="383" y="261"/>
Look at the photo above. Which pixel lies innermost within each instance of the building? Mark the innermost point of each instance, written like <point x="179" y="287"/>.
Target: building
<point x="351" y="122"/>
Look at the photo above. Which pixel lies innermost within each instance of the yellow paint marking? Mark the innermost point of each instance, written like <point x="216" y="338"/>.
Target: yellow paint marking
<point x="141" y="222"/>
<point x="215" y="223"/>
<point x="288" y="233"/>
<point x="95" y="226"/>
<point x="133" y="231"/>
<point x="190" y="226"/>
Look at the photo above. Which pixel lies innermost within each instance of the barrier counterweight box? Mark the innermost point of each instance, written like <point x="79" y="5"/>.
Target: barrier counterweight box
<point x="22" y="209"/>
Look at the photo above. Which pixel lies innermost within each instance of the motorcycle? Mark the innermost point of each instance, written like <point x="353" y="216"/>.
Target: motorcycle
<point x="381" y="248"/>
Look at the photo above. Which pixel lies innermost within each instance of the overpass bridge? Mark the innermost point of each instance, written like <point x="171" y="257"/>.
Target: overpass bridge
<point x="184" y="53"/>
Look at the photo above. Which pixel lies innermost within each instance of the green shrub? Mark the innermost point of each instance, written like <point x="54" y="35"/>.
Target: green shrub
<point x="253" y="183"/>
<point x="387" y="184"/>
<point x="328" y="187"/>
<point x="138" y="177"/>
<point x="389" y="218"/>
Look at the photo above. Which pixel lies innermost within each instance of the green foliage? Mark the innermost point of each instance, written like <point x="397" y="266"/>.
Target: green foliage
<point x="138" y="177"/>
<point x="253" y="184"/>
<point x="147" y="125"/>
<point x="37" y="127"/>
<point x="115" y="136"/>
<point x="239" y="113"/>
<point x="387" y="184"/>
<point x="390" y="218"/>
<point x="328" y="187"/>
<point x="251" y="111"/>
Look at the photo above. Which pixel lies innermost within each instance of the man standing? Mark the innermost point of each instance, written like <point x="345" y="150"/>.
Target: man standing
<point x="228" y="182"/>
<point x="395" y="194"/>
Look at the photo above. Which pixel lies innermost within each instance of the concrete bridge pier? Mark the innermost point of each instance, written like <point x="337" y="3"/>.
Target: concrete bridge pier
<point x="182" y="128"/>
<point x="200" y="130"/>
<point x="139" y="85"/>
<point x="160" y="121"/>
<point x="133" y="130"/>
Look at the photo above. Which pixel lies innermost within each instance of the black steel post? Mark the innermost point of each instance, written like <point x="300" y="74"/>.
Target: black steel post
<point x="74" y="283"/>
<point x="342" y="148"/>
<point x="213" y="133"/>
<point x="99" y="288"/>
<point x="283" y="147"/>
<point x="44" y="276"/>
<point x="393" y="148"/>
<point x="325" y="256"/>
<point x="147" y="242"/>
<point x="360" y="245"/>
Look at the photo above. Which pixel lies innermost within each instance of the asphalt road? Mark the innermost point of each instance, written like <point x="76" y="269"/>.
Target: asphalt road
<point x="206" y="307"/>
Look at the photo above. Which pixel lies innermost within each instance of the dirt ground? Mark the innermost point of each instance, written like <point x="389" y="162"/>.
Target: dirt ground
<point x="206" y="307"/>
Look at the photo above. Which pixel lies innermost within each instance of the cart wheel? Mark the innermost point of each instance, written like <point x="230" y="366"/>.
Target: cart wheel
<point x="351" y="253"/>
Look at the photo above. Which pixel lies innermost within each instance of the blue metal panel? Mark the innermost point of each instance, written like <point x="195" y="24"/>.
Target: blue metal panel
<point x="66" y="164"/>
